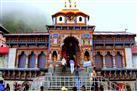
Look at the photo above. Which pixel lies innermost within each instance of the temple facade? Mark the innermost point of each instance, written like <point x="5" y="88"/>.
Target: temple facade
<point x="27" y="55"/>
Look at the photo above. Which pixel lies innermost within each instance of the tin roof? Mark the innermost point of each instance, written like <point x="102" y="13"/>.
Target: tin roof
<point x="112" y="33"/>
<point x="3" y="29"/>
<point x="27" y="33"/>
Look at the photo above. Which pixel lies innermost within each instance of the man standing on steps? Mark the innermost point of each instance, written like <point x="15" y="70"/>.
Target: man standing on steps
<point x="63" y="62"/>
<point x="77" y="77"/>
<point x="71" y="62"/>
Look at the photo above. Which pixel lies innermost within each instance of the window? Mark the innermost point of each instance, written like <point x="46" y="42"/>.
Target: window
<point x="109" y="60"/>
<point x="80" y="19"/>
<point x="118" y="60"/>
<point x="41" y="60"/>
<point x="60" y="18"/>
<point x="98" y="60"/>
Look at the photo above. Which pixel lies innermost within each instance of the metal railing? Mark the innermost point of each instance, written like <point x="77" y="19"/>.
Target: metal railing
<point x="50" y="82"/>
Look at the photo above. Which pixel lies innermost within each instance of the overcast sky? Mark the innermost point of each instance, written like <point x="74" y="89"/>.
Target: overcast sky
<point x="106" y="15"/>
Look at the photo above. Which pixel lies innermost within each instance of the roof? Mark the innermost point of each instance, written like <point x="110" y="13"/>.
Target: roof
<point x="3" y="29"/>
<point x="70" y="11"/>
<point x="24" y="69"/>
<point x="27" y="33"/>
<point x="113" y="69"/>
<point x="113" y="33"/>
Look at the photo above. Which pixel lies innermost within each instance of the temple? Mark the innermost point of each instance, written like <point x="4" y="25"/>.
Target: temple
<point x="25" y="56"/>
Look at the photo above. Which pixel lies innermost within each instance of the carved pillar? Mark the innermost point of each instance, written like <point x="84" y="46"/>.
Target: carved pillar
<point x="27" y="61"/>
<point x="104" y="54"/>
<point x="36" y="61"/>
<point x="104" y="64"/>
<point x="17" y="60"/>
<point x="114" y="61"/>
<point x="123" y="60"/>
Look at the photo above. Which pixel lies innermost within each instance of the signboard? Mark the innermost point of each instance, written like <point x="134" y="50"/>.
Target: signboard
<point x="55" y="35"/>
<point x="86" y="35"/>
<point x="87" y="64"/>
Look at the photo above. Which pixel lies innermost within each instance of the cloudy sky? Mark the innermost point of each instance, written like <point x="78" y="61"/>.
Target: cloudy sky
<point x="106" y="15"/>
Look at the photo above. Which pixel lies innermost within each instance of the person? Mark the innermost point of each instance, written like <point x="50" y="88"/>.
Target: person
<point x="74" y="89"/>
<point x="41" y="88"/>
<point x="54" y="62"/>
<point x="93" y="77"/>
<point x="64" y="88"/>
<point x="77" y="77"/>
<point x="1" y="85"/>
<point x="15" y="86"/>
<point x="26" y="87"/>
<point x="63" y="62"/>
<point x="87" y="65"/>
<point x="7" y="87"/>
<point x="83" y="88"/>
<point x="101" y="88"/>
<point x="71" y="66"/>
<point x="51" y="67"/>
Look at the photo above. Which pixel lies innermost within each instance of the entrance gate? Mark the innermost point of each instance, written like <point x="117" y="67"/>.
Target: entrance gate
<point x="71" y="50"/>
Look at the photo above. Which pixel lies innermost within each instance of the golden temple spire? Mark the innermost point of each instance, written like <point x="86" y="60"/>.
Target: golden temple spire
<point x="70" y="3"/>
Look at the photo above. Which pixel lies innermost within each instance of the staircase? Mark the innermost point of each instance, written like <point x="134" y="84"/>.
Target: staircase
<point x="58" y="72"/>
<point x="54" y="82"/>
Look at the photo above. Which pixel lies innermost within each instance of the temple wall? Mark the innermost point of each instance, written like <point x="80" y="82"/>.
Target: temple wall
<point x="128" y="54"/>
<point x="134" y="60"/>
<point x="11" y="57"/>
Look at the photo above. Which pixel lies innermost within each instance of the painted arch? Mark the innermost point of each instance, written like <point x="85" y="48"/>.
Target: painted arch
<point x="31" y="61"/>
<point x="22" y="60"/>
<point x="98" y="60"/>
<point x="118" y="60"/>
<point x="109" y="60"/>
<point x="41" y="60"/>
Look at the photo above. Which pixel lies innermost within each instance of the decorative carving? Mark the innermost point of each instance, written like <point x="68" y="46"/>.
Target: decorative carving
<point x="113" y="53"/>
<point x="103" y="53"/>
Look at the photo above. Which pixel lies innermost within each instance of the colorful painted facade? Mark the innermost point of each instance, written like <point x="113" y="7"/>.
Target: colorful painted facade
<point x="69" y="36"/>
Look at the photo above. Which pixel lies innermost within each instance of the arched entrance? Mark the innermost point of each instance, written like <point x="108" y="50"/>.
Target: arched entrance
<point x="71" y="50"/>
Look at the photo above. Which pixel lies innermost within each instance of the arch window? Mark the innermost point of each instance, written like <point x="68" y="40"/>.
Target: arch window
<point x="22" y="60"/>
<point x="54" y="56"/>
<point x="118" y="59"/>
<point x="31" y="63"/>
<point x="109" y="60"/>
<point x="98" y="60"/>
<point x="60" y="19"/>
<point x="80" y="19"/>
<point x="41" y="60"/>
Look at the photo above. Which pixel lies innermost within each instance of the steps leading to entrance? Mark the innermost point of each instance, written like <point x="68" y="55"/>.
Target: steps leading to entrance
<point x="58" y="72"/>
<point x="57" y="80"/>
<point x="51" y="83"/>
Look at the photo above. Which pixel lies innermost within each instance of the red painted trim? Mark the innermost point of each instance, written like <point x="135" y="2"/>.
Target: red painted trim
<point x="134" y="49"/>
<point x="4" y="50"/>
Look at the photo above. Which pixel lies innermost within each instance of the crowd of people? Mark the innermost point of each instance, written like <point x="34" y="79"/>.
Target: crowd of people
<point x="16" y="87"/>
<point x="75" y="70"/>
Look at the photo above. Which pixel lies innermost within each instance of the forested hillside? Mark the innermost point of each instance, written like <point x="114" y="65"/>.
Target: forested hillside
<point x="23" y="22"/>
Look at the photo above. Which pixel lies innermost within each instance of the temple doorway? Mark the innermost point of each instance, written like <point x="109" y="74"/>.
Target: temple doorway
<point x="71" y="50"/>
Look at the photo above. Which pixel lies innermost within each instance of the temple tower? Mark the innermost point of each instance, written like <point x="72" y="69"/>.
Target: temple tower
<point x="70" y="36"/>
